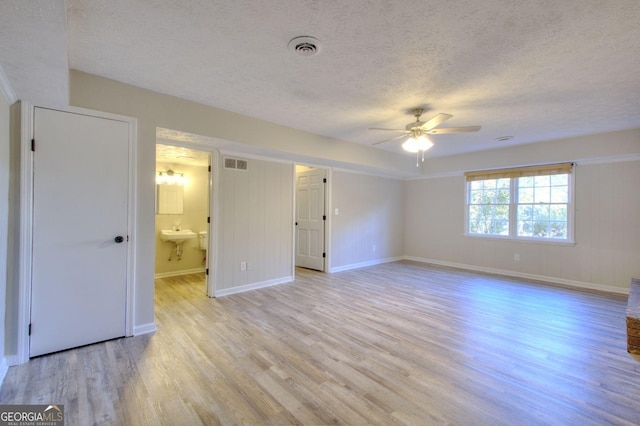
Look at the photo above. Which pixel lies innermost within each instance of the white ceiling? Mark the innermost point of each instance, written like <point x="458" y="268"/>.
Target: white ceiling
<point x="181" y="155"/>
<point x="535" y="70"/>
<point x="33" y="51"/>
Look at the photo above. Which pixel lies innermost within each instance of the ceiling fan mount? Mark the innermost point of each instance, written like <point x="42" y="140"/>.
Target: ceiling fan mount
<point x="417" y="112"/>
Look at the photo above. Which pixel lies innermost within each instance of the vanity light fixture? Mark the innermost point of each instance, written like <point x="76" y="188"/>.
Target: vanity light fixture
<point x="170" y="177"/>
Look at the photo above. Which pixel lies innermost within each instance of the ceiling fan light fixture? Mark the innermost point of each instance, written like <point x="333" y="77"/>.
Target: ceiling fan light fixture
<point x="414" y="145"/>
<point x="417" y="131"/>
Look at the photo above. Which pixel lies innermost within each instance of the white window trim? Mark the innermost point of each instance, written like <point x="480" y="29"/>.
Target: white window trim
<point x="569" y="241"/>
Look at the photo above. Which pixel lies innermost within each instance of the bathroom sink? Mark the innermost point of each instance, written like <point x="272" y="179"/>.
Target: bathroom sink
<point x="177" y="237"/>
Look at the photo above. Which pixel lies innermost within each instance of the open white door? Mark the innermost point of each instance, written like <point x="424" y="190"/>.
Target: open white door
<point x="80" y="215"/>
<point x="310" y="218"/>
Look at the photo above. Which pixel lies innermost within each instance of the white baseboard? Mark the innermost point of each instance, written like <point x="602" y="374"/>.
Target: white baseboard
<point x="552" y="280"/>
<point x="148" y="328"/>
<point x="363" y="264"/>
<point x="254" y="286"/>
<point x="178" y="273"/>
<point x="4" y="368"/>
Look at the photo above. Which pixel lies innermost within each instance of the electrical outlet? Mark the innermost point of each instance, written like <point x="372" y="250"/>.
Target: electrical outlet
<point x="243" y="266"/>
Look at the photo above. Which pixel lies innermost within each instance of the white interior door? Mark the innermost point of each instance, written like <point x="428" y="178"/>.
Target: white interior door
<point x="310" y="219"/>
<point x="80" y="199"/>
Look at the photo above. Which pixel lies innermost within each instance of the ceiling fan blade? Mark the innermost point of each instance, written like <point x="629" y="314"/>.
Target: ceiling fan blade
<point x="388" y="130"/>
<point x="436" y="121"/>
<point x="466" y="129"/>
<point x="389" y="140"/>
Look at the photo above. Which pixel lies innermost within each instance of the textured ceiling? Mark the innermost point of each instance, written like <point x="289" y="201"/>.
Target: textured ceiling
<point x="33" y="50"/>
<point x="179" y="155"/>
<point x="535" y="70"/>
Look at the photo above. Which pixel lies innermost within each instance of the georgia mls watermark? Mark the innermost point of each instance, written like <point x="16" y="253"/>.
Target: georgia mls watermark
<point x="32" y="415"/>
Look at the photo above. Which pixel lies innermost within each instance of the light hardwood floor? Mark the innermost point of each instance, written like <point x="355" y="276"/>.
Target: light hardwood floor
<point x="400" y="343"/>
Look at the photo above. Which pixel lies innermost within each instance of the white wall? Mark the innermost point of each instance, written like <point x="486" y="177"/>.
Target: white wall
<point x="606" y="254"/>
<point x="256" y="225"/>
<point x="369" y="226"/>
<point x="194" y="217"/>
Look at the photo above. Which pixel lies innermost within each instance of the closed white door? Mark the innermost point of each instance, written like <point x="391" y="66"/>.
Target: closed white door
<point x="310" y="219"/>
<point x="80" y="205"/>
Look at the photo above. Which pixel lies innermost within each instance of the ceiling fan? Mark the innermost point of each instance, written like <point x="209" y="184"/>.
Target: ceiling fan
<point x="418" y="130"/>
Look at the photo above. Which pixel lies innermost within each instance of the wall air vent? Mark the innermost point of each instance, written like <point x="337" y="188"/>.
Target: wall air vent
<point x="235" y="163"/>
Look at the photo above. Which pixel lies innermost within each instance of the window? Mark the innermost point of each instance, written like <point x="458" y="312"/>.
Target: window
<point x="533" y="203"/>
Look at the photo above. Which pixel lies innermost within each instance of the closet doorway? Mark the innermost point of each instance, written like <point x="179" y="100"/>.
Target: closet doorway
<point x="310" y="217"/>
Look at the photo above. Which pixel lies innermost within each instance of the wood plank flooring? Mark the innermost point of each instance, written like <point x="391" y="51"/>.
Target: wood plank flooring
<point x="395" y="344"/>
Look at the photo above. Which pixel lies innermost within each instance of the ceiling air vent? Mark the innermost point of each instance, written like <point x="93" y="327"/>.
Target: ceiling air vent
<point x="235" y="163"/>
<point x="304" y="45"/>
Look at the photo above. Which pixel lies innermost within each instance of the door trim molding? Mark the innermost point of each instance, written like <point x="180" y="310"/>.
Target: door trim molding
<point x="328" y="175"/>
<point x="26" y="227"/>
<point x="26" y="221"/>
<point x="213" y="261"/>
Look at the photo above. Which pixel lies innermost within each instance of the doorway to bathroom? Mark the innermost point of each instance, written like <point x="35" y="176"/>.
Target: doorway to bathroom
<point x="183" y="214"/>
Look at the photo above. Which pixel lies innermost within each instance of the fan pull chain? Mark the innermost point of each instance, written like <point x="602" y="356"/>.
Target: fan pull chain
<point x="418" y="158"/>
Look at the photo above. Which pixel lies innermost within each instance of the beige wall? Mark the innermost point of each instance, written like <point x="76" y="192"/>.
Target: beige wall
<point x="606" y="254"/>
<point x="194" y="217"/>
<point x="153" y="110"/>
<point x="421" y="218"/>
<point x="415" y="237"/>
<point x="369" y="226"/>
<point x="601" y="147"/>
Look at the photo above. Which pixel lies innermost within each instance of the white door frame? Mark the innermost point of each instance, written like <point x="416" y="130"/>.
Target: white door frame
<point x="214" y="214"/>
<point x="26" y="222"/>
<point x="327" y="225"/>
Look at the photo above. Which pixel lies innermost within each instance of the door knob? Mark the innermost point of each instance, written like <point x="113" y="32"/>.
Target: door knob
<point x="119" y="239"/>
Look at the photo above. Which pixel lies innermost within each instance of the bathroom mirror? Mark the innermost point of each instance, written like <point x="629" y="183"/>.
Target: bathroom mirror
<point x="169" y="199"/>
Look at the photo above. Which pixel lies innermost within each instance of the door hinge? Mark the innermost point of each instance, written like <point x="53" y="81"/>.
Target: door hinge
<point x="206" y="271"/>
<point x="29" y="329"/>
<point x="127" y="238"/>
<point x="33" y="145"/>
<point x="324" y="217"/>
<point x="209" y="219"/>
<point x="324" y="254"/>
<point x="324" y="180"/>
<point x="209" y="167"/>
